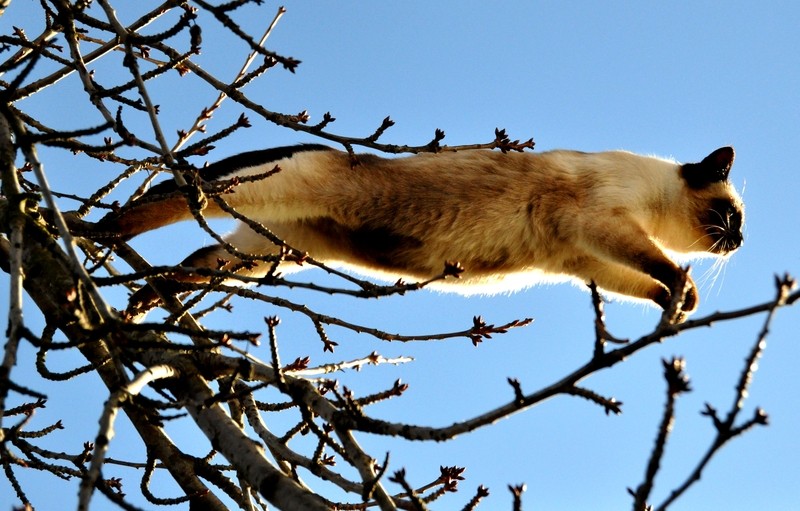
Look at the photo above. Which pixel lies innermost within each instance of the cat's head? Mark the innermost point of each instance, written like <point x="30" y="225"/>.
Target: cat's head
<point x="714" y="208"/>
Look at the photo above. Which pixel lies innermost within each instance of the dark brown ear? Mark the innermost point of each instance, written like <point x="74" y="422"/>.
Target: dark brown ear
<point x="714" y="168"/>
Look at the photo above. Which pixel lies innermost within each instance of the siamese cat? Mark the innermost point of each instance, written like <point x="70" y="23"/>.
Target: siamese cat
<point x="511" y="219"/>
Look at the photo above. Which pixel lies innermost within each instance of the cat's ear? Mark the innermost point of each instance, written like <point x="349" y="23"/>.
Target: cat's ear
<point x="713" y="169"/>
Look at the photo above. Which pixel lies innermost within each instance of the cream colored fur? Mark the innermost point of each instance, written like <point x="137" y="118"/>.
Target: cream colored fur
<point x="511" y="220"/>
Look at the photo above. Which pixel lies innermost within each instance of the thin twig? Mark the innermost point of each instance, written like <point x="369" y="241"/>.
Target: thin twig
<point x="677" y="383"/>
<point x="107" y="419"/>
<point x="725" y="429"/>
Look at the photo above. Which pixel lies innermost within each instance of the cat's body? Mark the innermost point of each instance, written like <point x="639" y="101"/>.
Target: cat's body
<point x="510" y="219"/>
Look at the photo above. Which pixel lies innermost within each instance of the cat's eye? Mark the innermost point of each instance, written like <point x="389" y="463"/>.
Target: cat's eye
<point x="726" y="212"/>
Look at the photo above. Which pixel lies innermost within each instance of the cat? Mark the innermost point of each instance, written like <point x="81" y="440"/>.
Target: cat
<point x="511" y="219"/>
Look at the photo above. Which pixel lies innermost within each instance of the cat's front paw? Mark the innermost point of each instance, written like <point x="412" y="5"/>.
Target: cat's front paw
<point x="691" y="299"/>
<point x="664" y="296"/>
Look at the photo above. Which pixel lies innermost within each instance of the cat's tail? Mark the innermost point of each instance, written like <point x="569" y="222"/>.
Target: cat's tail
<point x="153" y="210"/>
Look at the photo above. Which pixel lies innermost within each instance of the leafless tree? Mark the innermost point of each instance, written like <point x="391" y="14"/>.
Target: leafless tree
<point x="115" y="73"/>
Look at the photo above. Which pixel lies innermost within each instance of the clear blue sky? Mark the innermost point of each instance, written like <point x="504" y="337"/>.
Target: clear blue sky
<point x="675" y="79"/>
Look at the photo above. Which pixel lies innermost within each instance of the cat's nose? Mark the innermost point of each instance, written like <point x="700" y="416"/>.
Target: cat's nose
<point x="726" y="242"/>
<point x="733" y="241"/>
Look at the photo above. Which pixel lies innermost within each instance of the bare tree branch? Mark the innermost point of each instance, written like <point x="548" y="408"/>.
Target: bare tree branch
<point x="292" y="435"/>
